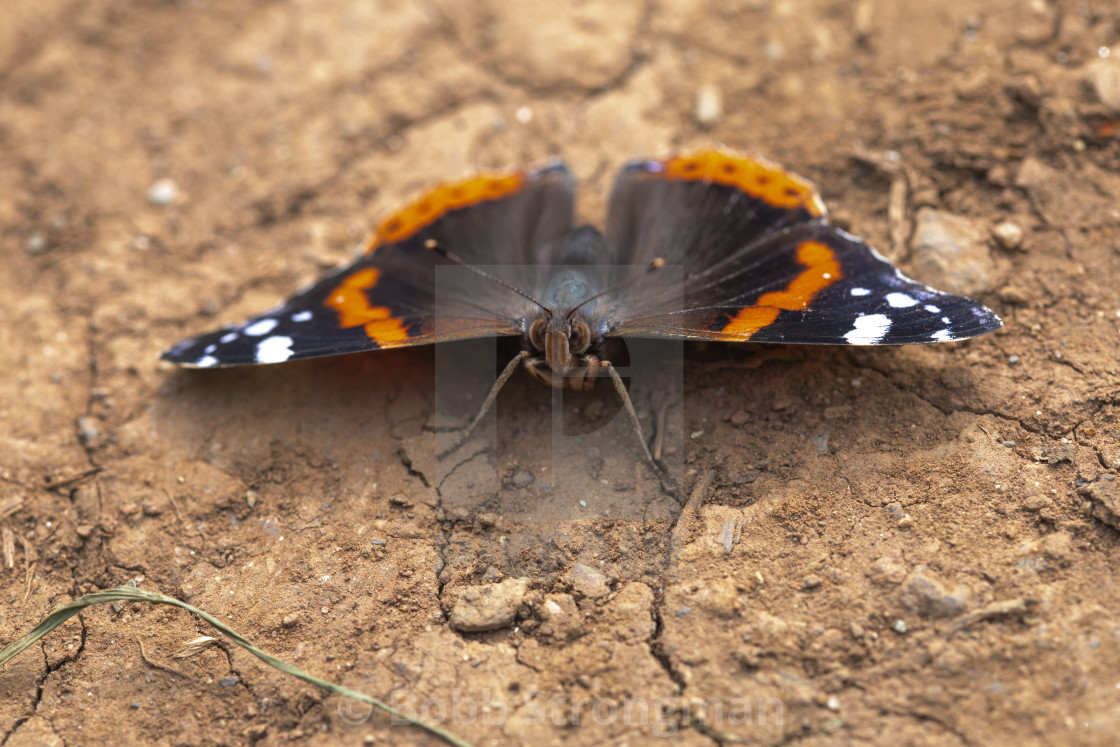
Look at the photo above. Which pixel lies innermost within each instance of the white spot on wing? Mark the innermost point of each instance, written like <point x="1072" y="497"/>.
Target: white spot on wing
<point x="210" y="349"/>
<point x="274" y="349"/>
<point x="932" y="309"/>
<point x="301" y="316"/>
<point x="942" y="335"/>
<point x="868" y="329"/>
<point x="860" y="291"/>
<point x="945" y="319"/>
<point x="206" y="361"/>
<point x="228" y="337"/>
<point x="261" y="327"/>
<point x="901" y="300"/>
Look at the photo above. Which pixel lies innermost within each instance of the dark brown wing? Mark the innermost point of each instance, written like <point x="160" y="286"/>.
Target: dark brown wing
<point x="393" y="295"/>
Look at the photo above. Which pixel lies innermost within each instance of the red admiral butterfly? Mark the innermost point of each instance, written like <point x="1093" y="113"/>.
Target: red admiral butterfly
<point x="758" y="263"/>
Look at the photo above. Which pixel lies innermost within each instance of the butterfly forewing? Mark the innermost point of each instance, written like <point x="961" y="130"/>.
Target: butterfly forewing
<point x="387" y="297"/>
<point x="759" y="262"/>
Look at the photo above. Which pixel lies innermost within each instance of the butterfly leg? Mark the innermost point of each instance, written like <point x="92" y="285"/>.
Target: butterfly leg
<point x="620" y="387"/>
<point x="537" y="366"/>
<point x="584" y="379"/>
<point x="487" y="404"/>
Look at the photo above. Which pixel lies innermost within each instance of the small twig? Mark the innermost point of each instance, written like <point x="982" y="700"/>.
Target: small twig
<point x="691" y="509"/>
<point x="719" y="736"/>
<point x="898" y="222"/>
<point x="65" y="481"/>
<point x="29" y="579"/>
<point x="1018" y="607"/>
<point x="174" y="506"/>
<point x="8" y="546"/>
<point x="10" y="506"/>
<point x="659" y="436"/>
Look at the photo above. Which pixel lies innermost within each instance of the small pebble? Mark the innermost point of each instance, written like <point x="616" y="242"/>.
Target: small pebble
<point x="488" y="607"/>
<point x="377" y="542"/>
<point x="1008" y="235"/>
<point x="925" y="595"/>
<point x="290" y="620"/>
<point x="900" y="626"/>
<point x="230" y="681"/>
<point x="729" y="534"/>
<point x="88" y="430"/>
<point x="163" y="192"/>
<point x="709" y="105"/>
<point x="523" y="478"/>
<point x="811" y="581"/>
<point x="36" y="243"/>
<point x="741" y="417"/>
<point x="951" y="251"/>
<point x="1103" y="76"/>
<point x="1013" y="359"/>
<point x="822" y="443"/>
<point x="588" y="582"/>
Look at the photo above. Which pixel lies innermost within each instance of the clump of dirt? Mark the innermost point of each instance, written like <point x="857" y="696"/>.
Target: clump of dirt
<point x="891" y="545"/>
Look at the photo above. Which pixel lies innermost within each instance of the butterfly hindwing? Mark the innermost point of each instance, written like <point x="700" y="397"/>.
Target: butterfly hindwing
<point x="387" y="297"/>
<point x="759" y="262"/>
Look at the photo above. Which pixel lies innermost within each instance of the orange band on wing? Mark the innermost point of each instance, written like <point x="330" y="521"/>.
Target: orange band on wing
<point x="438" y="202"/>
<point x="350" y="301"/>
<point x="757" y="178"/>
<point x="822" y="269"/>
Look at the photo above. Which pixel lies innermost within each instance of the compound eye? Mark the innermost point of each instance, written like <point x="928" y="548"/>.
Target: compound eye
<point x="580" y="338"/>
<point x="536" y="334"/>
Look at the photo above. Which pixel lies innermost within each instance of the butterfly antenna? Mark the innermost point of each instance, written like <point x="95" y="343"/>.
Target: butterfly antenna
<point x="434" y="246"/>
<point x="656" y="264"/>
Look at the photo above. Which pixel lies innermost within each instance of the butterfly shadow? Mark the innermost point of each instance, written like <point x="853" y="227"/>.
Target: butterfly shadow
<point x="538" y="477"/>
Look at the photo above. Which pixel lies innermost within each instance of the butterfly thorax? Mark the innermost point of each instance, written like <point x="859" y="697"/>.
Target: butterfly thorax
<point x="563" y="338"/>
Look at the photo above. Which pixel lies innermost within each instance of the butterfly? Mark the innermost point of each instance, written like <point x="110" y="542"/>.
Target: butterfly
<point x="708" y="245"/>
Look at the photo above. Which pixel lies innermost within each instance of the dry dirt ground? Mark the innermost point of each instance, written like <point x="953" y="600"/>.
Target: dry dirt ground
<point x="908" y="545"/>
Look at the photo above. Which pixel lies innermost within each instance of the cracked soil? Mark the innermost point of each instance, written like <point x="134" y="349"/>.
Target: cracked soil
<point x="899" y="546"/>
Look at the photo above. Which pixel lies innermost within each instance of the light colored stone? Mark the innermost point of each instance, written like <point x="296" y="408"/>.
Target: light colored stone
<point x="489" y="607"/>
<point x="924" y="594"/>
<point x="560" y="618"/>
<point x="1103" y="76"/>
<point x="588" y="582"/>
<point x="1009" y="235"/>
<point x="950" y="252"/>
<point x="709" y="105"/>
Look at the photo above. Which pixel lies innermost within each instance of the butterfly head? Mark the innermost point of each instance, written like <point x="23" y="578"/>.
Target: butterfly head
<point x="561" y="339"/>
